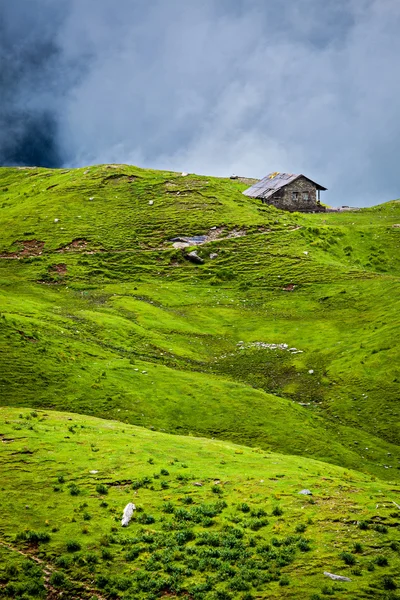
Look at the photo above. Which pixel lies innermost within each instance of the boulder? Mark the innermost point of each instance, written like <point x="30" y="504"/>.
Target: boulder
<point x="306" y="492"/>
<point x="195" y="258"/>
<point x="336" y="577"/>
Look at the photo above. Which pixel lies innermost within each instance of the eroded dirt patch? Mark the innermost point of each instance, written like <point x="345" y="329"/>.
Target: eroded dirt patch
<point x="27" y="248"/>
<point x="74" y="246"/>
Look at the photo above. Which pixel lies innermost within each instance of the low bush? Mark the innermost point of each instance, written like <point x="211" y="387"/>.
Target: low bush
<point x="58" y="579"/>
<point x="348" y="558"/>
<point x="73" y="546"/>
<point x="277" y="511"/>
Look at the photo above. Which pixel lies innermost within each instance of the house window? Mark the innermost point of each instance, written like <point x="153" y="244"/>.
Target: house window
<point x="306" y="196"/>
<point x="295" y="196"/>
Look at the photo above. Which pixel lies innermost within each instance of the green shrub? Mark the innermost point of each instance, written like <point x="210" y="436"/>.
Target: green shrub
<point x="245" y="508"/>
<point x="168" y="507"/>
<point x="381" y="528"/>
<point x="101" y="489"/>
<point x="58" y="579"/>
<point x="73" y="546"/>
<point x="389" y="583"/>
<point x="300" y="528"/>
<point x="33" y="537"/>
<point x="92" y="558"/>
<point x="363" y="525"/>
<point x="284" y="581"/>
<point x="216" y="489"/>
<point x="187" y="500"/>
<point x="145" y="519"/>
<point x="381" y="561"/>
<point x="132" y="554"/>
<point x="395" y="546"/>
<point x="63" y="562"/>
<point x="106" y="554"/>
<point x="348" y="558"/>
<point x="277" y="511"/>
<point x="357" y="548"/>
<point x="74" y="490"/>
<point x="164" y="472"/>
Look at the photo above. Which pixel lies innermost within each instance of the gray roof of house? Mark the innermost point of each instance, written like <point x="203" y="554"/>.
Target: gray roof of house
<point x="273" y="182"/>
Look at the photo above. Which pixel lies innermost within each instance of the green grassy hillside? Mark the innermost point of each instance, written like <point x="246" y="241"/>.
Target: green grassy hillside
<point x="213" y="520"/>
<point x="93" y="293"/>
<point x="284" y="340"/>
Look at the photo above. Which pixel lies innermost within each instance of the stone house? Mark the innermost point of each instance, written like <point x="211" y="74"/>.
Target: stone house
<point x="288" y="192"/>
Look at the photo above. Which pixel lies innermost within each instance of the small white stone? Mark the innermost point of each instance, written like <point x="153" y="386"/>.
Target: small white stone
<point x="56" y="220"/>
<point x="151" y="202"/>
<point x="311" y="371"/>
<point x="305" y="252"/>
<point x="91" y="198"/>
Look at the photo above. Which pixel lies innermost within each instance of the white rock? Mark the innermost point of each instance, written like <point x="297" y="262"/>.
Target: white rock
<point x="56" y="220"/>
<point x="184" y="174"/>
<point x="336" y="577"/>
<point x="311" y="371"/>
<point x="128" y="512"/>
<point x="151" y="202"/>
<point x="91" y="198"/>
<point x="93" y="472"/>
<point x="305" y="252"/>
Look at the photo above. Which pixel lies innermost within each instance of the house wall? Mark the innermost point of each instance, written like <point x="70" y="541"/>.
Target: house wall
<point x="284" y="198"/>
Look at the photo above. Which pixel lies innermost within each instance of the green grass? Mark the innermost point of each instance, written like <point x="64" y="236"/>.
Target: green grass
<point x="286" y="341"/>
<point x="256" y="535"/>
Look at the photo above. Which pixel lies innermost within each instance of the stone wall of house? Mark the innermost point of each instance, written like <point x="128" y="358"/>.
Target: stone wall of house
<point x="293" y="197"/>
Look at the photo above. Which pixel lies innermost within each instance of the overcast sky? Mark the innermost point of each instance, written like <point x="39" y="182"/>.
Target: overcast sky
<point x="207" y="86"/>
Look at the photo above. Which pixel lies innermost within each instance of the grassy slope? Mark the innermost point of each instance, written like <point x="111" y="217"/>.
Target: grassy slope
<point x="52" y="508"/>
<point x="128" y="302"/>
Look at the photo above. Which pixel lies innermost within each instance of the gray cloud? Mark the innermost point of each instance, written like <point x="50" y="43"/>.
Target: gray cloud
<point x="213" y="86"/>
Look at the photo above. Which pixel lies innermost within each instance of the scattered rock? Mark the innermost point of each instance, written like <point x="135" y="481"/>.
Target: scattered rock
<point x="213" y="255"/>
<point x="198" y="483"/>
<point x="289" y="288"/>
<point x="184" y="174"/>
<point x="195" y="258"/>
<point x="311" y="371"/>
<point x="180" y="245"/>
<point x="151" y="202"/>
<point x="336" y="577"/>
<point x="396" y="225"/>
<point x="306" y="492"/>
<point x="305" y="252"/>
<point x="56" y="220"/>
<point x="91" y="198"/>
<point x="128" y="512"/>
<point x="93" y="472"/>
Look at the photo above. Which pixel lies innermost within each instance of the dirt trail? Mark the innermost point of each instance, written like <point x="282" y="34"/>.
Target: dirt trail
<point x="52" y="592"/>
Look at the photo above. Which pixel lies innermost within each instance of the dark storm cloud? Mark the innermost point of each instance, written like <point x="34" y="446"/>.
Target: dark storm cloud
<point x="211" y="86"/>
<point x="28" y="58"/>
